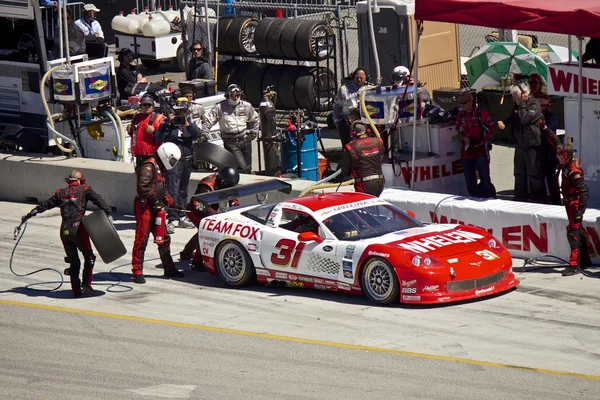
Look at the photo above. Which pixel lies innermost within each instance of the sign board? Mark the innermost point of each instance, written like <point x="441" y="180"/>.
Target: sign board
<point x="19" y="9"/>
<point x="563" y="80"/>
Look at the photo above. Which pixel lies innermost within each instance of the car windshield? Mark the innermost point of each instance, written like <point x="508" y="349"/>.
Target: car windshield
<point x="369" y="222"/>
<point x="260" y="213"/>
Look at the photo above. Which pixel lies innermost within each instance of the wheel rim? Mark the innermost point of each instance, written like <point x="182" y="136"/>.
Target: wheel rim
<point x="379" y="280"/>
<point x="232" y="263"/>
<point x="318" y="41"/>
<point x="248" y="37"/>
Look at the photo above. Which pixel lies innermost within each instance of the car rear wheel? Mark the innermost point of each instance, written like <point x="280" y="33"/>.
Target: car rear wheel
<point x="234" y="265"/>
<point x="379" y="282"/>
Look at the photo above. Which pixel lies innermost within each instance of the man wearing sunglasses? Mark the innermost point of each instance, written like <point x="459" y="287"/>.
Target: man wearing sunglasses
<point x="575" y="195"/>
<point x="199" y="68"/>
<point x="238" y="123"/>
<point x="142" y="128"/>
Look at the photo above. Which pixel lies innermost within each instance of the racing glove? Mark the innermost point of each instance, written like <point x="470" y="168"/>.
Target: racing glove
<point x="31" y="213"/>
<point x="579" y="215"/>
<point x="234" y="203"/>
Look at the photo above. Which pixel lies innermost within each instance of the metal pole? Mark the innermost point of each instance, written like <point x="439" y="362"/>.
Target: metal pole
<point x="416" y="103"/>
<point x="570" y="51"/>
<point x="208" y="33"/>
<point x="66" y="32"/>
<point x="580" y="79"/>
<point x="186" y="44"/>
<point x="217" y="49"/>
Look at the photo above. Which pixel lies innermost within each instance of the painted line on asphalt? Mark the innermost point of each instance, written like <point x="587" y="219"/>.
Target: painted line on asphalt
<point x="298" y="340"/>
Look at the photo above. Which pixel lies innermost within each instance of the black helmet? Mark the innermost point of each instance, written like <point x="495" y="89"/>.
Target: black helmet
<point x="228" y="176"/>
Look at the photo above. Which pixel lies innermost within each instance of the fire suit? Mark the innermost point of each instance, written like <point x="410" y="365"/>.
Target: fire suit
<point x="151" y="194"/>
<point x="575" y="195"/>
<point x="239" y="124"/>
<point x="362" y="158"/>
<point x="199" y="211"/>
<point x="144" y="144"/>
<point x="72" y="201"/>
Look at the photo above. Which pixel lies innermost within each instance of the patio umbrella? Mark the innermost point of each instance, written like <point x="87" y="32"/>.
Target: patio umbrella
<point x="560" y="54"/>
<point x="498" y="59"/>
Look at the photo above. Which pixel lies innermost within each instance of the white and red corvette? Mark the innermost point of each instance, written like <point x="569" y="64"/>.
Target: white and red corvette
<point x="354" y="243"/>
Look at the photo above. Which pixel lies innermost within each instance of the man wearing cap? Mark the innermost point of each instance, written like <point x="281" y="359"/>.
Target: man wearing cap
<point x="141" y="131"/>
<point x="362" y="158"/>
<point x="88" y="24"/>
<point x="238" y="123"/>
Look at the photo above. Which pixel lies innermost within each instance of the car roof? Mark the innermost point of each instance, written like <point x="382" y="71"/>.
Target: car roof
<point x="325" y="200"/>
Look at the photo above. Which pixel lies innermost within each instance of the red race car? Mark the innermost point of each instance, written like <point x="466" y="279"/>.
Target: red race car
<point x="354" y="243"/>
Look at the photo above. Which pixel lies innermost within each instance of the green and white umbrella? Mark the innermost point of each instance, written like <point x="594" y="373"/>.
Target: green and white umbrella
<point x="499" y="59"/>
<point x="560" y="54"/>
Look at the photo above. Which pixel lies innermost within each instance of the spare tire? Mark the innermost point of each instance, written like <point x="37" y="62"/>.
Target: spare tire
<point x="238" y="74"/>
<point x="287" y="83"/>
<point x="315" y="89"/>
<point x="288" y="38"/>
<point x="253" y="84"/>
<point x="274" y="38"/>
<point x="272" y="79"/>
<point x="223" y="72"/>
<point x="224" y="23"/>
<point x="314" y="39"/>
<point x="261" y="34"/>
<point x="240" y="35"/>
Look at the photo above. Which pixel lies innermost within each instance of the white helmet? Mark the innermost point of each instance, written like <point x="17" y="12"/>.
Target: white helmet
<point x="400" y="73"/>
<point x="169" y="155"/>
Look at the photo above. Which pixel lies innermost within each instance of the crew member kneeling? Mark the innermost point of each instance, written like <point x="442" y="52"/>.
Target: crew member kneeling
<point x="575" y="195"/>
<point x="152" y="196"/>
<point x="362" y="158"/>
<point x="72" y="201"/>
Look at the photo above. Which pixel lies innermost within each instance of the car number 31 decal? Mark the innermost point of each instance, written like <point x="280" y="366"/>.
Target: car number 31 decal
<point x="487" y="255"/>
<point x="288" y="251"/>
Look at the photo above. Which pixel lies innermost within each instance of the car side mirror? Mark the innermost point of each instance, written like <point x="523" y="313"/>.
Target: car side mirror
<point x="309" y="237"/>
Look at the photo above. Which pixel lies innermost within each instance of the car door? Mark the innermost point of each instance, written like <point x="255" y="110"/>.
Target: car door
<point x="283" y="253"/>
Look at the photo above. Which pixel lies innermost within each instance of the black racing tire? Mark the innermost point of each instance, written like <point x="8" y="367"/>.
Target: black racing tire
<point x="223" y="73"/>
<point x="224" y="23"/>
<point x="253" y="85"/>
<point x="272" y="78"/>
<point x="287" y="83"/>
<point x="238" y="74"/>
<point x="234" y="265"/>
<point x="261" y="34"/>
<point x="314" y="39"/>
<point x="274" y="38"/>
<point x="104" y="236"/>
<point x="379" y="282"/>
<point x="213" y="154"/>
<point x="288" y="37"/>
<point x="180" y="59"/>
<point x="239" y="38"/>
<point x="315" y="89"/>
<point x="150" y="64"/>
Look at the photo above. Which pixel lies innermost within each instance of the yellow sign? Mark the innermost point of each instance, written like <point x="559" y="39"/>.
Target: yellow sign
<point x="372" y="110"/>
<point x="98" y="85"/>
<point x="60" y="87"/>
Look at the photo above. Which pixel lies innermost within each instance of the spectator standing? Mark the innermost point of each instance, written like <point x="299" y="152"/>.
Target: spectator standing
<point x="548" y="150"/>
<point x="142" y="130"/>
<point x="239" y="125"/>
<point x="88" y="23"/>
<point x="536" y="85"/>
<point x="127" y="75"/>
<point x="178" y="178"/>
<point x="347" y="98"/>
<point x="525" y="121"/>
<point x="199" y="67"/>
<point x="475" y="129"/>
<point x="76" y="38"/>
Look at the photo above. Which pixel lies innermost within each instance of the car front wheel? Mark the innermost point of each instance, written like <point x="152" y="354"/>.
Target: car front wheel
<point x="379" y="282"/>
<point x="234" y="265"/>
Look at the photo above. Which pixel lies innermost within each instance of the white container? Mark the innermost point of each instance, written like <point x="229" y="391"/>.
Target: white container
<point x="63" y="84"/>
<point x="171" y="14"/>
<point x="156" y="27"/>
<point x="120" y="23"/>
<point x="160" y="14"/>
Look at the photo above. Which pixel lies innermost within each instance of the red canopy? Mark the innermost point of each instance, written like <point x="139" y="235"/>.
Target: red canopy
<point x="572" y="17"/>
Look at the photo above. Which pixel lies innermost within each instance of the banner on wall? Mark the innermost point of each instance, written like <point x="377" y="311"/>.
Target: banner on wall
<point x="563" y="80"/>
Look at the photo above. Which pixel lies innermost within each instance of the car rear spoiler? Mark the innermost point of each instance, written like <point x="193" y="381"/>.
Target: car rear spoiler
<point x="255" y="188"/>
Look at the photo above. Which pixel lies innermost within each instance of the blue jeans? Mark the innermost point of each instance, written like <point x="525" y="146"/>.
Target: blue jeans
<point x="178" y="180"/>
<point x="471" y="167"/>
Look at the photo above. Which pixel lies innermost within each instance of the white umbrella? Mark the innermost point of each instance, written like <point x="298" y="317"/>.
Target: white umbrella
<point x="560" y="54"/>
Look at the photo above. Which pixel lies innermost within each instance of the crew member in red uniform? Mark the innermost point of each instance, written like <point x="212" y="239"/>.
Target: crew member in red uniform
<point x="141" y="131"/>
<point x="152" y="196"/>
<point x="226" y="177"/>
<point x="72" y="201"/>
<point x="362" y="159"/>
<point x="475" y="128"/>
<point x="575" y="196"/>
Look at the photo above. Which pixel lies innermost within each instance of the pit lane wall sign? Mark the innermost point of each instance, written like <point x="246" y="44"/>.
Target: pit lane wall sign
<point x="563" y="80"/>
<point x="526" y="230"/>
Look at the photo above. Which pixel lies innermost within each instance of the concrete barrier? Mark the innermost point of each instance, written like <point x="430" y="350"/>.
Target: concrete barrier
<point x="31" y="177"/>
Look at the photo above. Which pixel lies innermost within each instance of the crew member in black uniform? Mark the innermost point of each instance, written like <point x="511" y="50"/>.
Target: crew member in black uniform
<point x="362" y="158"/>
<point x="72" y="201"/>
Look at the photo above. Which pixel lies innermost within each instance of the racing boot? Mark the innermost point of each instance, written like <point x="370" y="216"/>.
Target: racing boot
<point x="139" y="279"/>
<point x="571" y="270"/>
<point x="88" y="269"/>
<point x="173" y="273"/>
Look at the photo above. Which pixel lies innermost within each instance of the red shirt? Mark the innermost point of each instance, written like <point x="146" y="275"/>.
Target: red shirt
<point x="478" y="128"/>
<point x="143" y="143"/>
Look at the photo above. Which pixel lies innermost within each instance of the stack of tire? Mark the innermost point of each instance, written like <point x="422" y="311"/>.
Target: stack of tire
<point x="297" y="86"/>
<point x="236" y="35"/>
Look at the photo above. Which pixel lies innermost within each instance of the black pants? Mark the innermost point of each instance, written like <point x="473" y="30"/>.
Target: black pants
<point x="549" y="164"/>
<point x="178" y="181"/>
<point x="529" y="181"/>
<point x="242" y="150"/>
<point x="374" y="187"/>
<point x="75" y="238"/>
<point x="344" y="132"/>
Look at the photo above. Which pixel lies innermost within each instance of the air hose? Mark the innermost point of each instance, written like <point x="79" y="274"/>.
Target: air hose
<point x="19" y="232"/>
<point x="533" y="261"/>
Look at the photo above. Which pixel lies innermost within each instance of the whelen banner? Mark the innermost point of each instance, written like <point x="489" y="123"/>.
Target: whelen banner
<point x="563" y="80"/>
